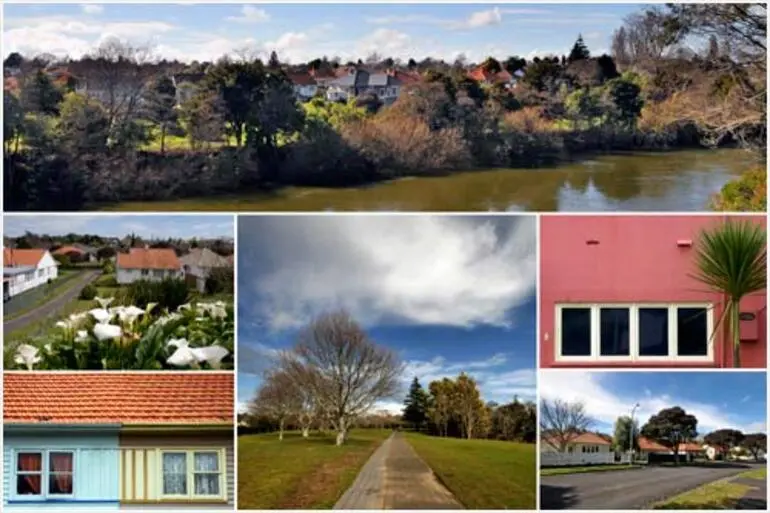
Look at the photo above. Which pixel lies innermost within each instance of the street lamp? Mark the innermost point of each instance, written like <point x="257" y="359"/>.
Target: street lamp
<point x="631" y="441"/>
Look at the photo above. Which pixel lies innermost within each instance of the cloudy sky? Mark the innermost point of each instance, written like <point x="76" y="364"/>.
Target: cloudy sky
<point x="300" y="32"/>
<point x="718" y="400"/>
<point x="107" y="225"/>
<point x="448" y="294"/>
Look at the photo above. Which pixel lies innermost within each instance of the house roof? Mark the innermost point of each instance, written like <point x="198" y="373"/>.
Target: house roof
<point x="22" y="257"/>
<point x="584" y="438"/>
<point x="647" y="444"/>
<point x="64" y="250"/>
<point x="204" y="257"/>
<point x="118" y="398"/>
<point x="481" y="75"/>
<point x="302" y="79"/>
<point x="149" y="258"/>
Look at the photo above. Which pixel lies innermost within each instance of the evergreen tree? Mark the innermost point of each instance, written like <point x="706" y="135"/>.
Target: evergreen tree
<point x="40" y="95"/>
<point x="579" y="50"/>
<point x="273" y="63"/>
<point x="415" y="405"/>
<point x="161" y="103"/>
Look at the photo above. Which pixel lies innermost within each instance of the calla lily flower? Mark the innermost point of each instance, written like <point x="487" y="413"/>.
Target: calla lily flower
<point x="81" y="336"/>
<point x="104" y="302"/>
<point x="178" y="342"/>
<point x="101" y="315"/>
<point x="130" y="313"/>
<point x="182" y="357"/>
<point x="212" y="355"/>
<point x="27" y="355"/>
<point x="104" y="331"/>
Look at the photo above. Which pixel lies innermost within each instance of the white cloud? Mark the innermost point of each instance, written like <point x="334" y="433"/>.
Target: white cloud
<point x="386" y="41"/>
<point x="250" y="14"/>
<point x="605" y="405"/>
<point x="483" y="19"/>
<point x="287" y="41"/>
<point x="92" y="8"/>
<point x="474" y="20"/>
<point x="458" y="271"/>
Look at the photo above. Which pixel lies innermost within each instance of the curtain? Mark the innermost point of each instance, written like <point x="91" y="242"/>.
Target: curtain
<point x="60" y="480"/>
<point x="174" y="474"/>
<point x="29" y="484"/>
<point x="206" y="473"/>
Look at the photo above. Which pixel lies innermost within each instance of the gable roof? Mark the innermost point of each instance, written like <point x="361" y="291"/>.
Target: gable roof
<point x="647" y="444"/>
<point x="149" y="258"/>
<point x="204" y="257"/>
<point x="481" y="75"/>
<point x="69" y="249"/>
<point x="301" y="79"/>
<point x="22" y="257"/>
<point x="118" y="398"/>
<point x="583" y="438"/>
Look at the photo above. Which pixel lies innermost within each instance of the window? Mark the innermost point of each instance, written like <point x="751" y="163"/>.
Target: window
<point x="175" y="473"/>
<point x="193" y="474"/>
<point x="60" y="473"/>
<point x="206" y="471"/>
<point x="44" y="474"/>
<point x="631" y="332"/>
<point x="157" y="273"/>
<point x="29" y="473"/>
<point x="145" y="272"/>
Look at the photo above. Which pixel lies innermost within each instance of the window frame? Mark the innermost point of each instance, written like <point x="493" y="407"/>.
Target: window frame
<point x="45" y="475"/>
<point x="633" y="310"/>
<point x="190" y="474"/>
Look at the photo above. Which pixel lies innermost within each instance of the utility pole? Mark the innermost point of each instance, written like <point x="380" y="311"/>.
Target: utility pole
<point x="631" y="440"/>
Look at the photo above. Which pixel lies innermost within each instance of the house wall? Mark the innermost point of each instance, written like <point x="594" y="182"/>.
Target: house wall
<point x="125" y="276"/>
<point x="141" y="476"/>
<point x="576" y="448"/>
<point x="95" y="479"/>
<point x="563" y="459"/>
<point x="46" y="269"/>
<point x="636" y="260"/>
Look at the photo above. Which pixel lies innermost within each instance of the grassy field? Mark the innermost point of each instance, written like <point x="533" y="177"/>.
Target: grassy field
<point x="581" y="470"/>
<point x="722" y="494"/>
<point x="482" y="474"/>
<point x="33" y="298"/>
<point x="299" y="473"/>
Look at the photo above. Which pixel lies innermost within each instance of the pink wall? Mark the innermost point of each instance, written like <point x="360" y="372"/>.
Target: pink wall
<point x="637" y="259"/>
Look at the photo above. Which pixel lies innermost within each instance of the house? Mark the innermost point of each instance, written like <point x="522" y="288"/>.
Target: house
<point x="199" y="263"/>
<point x="651" y="451"/>
<point x="582" y="449"/>
<point x="503" y="77"/>
<point x="618" y="291"/>
<point x="349" y="84"/>
<point x="25" y="269"/>
<point x="107" y="441"/>
<point x="323" y="76"/>
<point x="153" y="264"/>
<point x="78" y="252"/>
<point x="304" y="85"/>
<point x="186" y="85"/>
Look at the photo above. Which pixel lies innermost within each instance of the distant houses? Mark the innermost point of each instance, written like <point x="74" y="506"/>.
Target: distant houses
<point x="151" y="264"/>
<point x="78" y="253"/>
<point x="200" y="263"/>
<point x="25" y="269"/>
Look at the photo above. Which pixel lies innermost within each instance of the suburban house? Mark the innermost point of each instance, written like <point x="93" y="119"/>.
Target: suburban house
<point x="199" y="263"/>
<point x="78" y="252"/>
<point x="713" y="453"/>
<point x="107" y="441"/>
<point x="618" y="291"/>
<point x="305" y="86"/>
<point x="502" y="77"/>
<point x="323" y="76"/>
<point x="651" y="451"/>
<point x="153" y="264"/>
<point x="583" y="449"/>
<point x="386" y="85"/>
<point x="186" y="85"/>
<point x="25" y="269"/>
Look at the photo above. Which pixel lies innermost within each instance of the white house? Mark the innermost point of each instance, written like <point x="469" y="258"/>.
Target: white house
<point x="582" y="449"/>
<point x="199" y="263"/>
<point x="304" y="85"/>
<point x="25" y="269"/>
<point x="152" y="264"/>
<point x="650" y="450"/>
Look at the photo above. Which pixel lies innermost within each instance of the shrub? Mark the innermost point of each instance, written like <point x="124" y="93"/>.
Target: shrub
<point x="88" y="292"/>
<point x="107" y="280"/>
<point x="168" y="294"/>
<point x="748" y="193"/>
<point x="220" y="281"/>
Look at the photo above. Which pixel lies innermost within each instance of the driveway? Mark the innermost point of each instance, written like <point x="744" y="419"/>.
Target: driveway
<point x="54" y="305"/>
<point x="629" y="489"/>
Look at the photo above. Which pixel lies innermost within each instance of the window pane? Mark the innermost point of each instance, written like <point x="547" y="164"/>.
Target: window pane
<point x="614" y="332"/>
<point x="692" y="332"/>
<point x="60" y="461"/>
<point x="206" y="462"/>
<point x="28" y="485"/>
<point x="206" y="484"/>
<point x="30" y="462"/>
<point x="174" y="474"/>
<point x="576" y="332"/>
<point x="60" y="483"/>
<point x="653" y="331"/>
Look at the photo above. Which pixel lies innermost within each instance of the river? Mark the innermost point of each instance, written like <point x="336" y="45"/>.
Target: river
<point x="670" y="181"/>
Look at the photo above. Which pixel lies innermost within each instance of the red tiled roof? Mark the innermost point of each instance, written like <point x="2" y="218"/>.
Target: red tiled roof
<point x="407" y="77"/>
<point x="690" y="447"/>
<point x="584" y="438"/>
<point x="647" y="444"/>
<point x="301" y="79"/>
<point x="26" y="257"/>
<point x="149" y="258"/>
<point x="11" y="84"/>
<point x="111" y="398"/>
<point x="64" y="250"/>
<point x="481" y="75"/>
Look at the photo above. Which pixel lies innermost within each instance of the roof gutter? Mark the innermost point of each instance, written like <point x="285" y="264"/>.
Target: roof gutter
<point x="49" y="426"/>
<point x="176" y="427"/>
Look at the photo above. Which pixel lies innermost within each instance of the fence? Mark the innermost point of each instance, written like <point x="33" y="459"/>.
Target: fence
<point x="563" y="459"/>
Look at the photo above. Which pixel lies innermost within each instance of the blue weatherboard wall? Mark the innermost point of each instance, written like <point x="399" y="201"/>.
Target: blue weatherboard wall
<point x="96" y="471"/>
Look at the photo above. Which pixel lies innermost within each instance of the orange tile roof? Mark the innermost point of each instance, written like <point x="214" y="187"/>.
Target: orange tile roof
<point x="149" y="258"/>
<point x="585" y="438"/>
<point x="170" y="398"/>
<point x="481" y="75"/>
<point x="68" y="249"/>
<point x="647" y="444"/>
<point x="27" y="257"/>
<point x="690" y="447"/>
<point x="302" y="78"/>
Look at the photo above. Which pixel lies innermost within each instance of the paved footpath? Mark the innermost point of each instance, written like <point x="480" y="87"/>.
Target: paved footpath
<point x="755" y="497"/>
<point x="395" y="477"/>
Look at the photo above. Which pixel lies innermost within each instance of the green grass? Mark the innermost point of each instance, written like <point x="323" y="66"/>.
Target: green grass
<point x="482" y="474"/>
<point x="722" y="494"/>
<point x="757" y="473"/>
<point x="33" y="298"/>
<point x="299" y="473"/>
<point x="581" y="470"/>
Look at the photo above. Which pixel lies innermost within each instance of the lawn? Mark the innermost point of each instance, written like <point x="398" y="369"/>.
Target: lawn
<point x="580" y="470"/>
<point x="482" y="474"/>
<point x="299" y="473"/>
<point x="35" y="297"/>
<point x="722" y="494"/>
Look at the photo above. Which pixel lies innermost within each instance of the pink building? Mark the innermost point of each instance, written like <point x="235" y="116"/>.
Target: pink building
<point x="616" y="291"/>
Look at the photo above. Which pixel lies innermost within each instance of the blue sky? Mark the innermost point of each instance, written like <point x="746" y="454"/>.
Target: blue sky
<point x="718" y="399"/>
<point x="299" y="32"/>
<point x="448" y="294"/>
<point x="160" y="226"/>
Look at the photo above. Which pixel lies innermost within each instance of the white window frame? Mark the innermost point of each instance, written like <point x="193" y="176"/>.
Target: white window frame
<point x="634" y="356"/>
<point x="190" y="462"/>
<point x="45" y="474"/>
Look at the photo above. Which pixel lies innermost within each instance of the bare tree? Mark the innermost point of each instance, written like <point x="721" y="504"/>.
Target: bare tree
<point x="345" y="371"/>
<point x="561" y="422"/>
<point x="647" y="36"/>
<point x="277" y="398"/>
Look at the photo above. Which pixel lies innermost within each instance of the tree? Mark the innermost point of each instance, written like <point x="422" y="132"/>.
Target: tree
<point x="713" y="49"/>
<point x="160" y="109"/>
<point x="204" y="119"/>
<point x="40" y="95"/>
<point x="724" y="440"/>
<point x="755" y="443"/>
<point x="415" y="405"/>
<point x="621" y="439"/>
<point x="491" y="65"/>
<point x="626" y="98"/>
<point x="620" y="47"/>
<point x="514" y="63"/>
<point x="14" y="60"/>
<point x="83" y="127"/>
<point x="345" y="371"/>
<point x="543" y="75"/>
<point x="13" y="123"/>
<point x="277" y="398"/>
<point x="273" y="62"/>
<point x="468" y="404"/>
<point x="579" y="51"/>
<point x="731" y="259"/>
<point x="412" y="64"/>
<point x="671" y="427"/>
<point x="442" y="399"/>
<point x="561" y="422"/>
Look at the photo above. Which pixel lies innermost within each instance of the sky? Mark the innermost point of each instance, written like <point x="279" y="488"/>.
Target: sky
<point x="446" y="293"/>
<point x="301" y="32"/>
<point x="145" y="226"/>
<point x="719" y="400"/>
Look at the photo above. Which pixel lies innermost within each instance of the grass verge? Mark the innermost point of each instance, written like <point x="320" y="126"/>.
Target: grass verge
<point x="581" y="470"/>
<point x="722" y="494"/>
<point x="482" y="474"/>
<point x="33" y="298"/>
<point x="300" y="473"/>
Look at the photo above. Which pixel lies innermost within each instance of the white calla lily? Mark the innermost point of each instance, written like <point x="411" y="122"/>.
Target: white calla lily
<point x="81" y="336"/>
<point x="130" y="313"/>
<point x="101" y="315"/>
<point x="182" y="357"/>
<point x="27" y="355"/>
<point x="178" y="342"/>
<point x="104" y="331"/>
<point x="104" y="302"/>
<point x="212" y="355"/>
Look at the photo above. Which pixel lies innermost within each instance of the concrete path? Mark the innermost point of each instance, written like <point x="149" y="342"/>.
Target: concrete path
<point x="54" y="305"/>
<point x="395" y="477"/>
<point x="629" y="489"/>
<point x="756" y="497"/>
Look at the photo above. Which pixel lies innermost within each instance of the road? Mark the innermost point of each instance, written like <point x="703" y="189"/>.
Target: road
<point x="395" y="477"/>
<point x="54" y="305"/>
<point x="629" y="489"/>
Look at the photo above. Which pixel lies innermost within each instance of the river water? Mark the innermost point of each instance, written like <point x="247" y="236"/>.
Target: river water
<point x="671" y="181"/>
